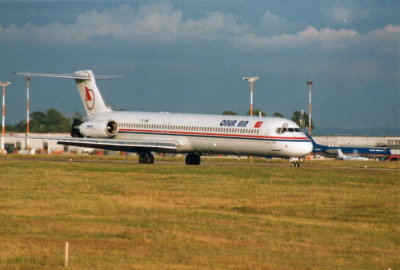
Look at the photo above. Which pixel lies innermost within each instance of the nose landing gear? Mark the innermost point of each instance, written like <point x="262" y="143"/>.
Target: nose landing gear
<point x="294" y="163"/>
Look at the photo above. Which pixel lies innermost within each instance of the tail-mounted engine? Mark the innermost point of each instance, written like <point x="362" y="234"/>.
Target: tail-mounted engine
<point x="75" y="133"/>
<point x="99" y="128"/>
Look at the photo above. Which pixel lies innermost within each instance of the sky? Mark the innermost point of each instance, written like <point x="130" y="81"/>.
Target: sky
<point x="191" y="56"/>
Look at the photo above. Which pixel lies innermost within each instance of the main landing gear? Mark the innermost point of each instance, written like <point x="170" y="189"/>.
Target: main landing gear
<point x="193" y="159"/>
<point x="146" y="158"/>
<point x="294" y="163"/>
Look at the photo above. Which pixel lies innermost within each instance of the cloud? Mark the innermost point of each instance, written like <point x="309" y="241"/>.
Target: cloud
<point x="342" y="53"/>
<point x="328" y="38"/>
<point x="215" y="25"/>
<point x="340" y="14"/>
<point x="390" y="31"/>
<point x="161" y="22"/>
<point x="120" y="23"/>
<point x="271" y="24"/>
<point x="157" y="22"/>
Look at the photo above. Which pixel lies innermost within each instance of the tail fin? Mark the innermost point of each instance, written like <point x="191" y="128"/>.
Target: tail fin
<point x="91" y="98"/>
<point x="340" y="154"/>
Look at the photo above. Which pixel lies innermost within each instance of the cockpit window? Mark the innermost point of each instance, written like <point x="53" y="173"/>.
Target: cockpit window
<point x="283" y="130"/>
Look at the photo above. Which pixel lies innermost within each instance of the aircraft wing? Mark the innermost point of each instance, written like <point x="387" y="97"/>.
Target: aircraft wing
<point x="112" y="144"/>
<point x="121" y="145"/>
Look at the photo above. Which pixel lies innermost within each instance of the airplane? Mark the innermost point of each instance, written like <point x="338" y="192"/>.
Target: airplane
<point x="354" y="157"/>
<point x="370" y="152"/>
<point x="190" y="134"/>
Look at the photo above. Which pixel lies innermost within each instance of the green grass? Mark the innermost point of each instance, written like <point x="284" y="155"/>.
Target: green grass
<point x="131" y="216"/>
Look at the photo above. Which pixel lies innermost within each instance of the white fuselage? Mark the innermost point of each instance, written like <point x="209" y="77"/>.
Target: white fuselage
<point x="218" y="134"/>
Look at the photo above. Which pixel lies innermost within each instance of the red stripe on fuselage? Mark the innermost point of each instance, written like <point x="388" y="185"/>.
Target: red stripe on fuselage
<point x="212" y="134"/>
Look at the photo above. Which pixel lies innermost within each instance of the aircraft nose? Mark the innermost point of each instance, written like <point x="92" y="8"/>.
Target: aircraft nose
<point x="308" y="147"/>
<point x="304" y="148"/>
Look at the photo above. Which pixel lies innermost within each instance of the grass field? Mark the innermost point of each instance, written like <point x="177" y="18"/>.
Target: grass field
<point x="169" y="216"/>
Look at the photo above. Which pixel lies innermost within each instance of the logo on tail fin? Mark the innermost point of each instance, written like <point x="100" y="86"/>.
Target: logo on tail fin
<point x="89" y="98"/>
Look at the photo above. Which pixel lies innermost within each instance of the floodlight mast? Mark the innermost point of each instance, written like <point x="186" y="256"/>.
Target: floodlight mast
<point x="251" y="80"/>
<point x="3" y="116"/>
<point x="309" y="84"/>
<point x="28" y="106"/>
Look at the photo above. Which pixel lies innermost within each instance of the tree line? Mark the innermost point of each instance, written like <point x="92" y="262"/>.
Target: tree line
<point x="49" y="121"/>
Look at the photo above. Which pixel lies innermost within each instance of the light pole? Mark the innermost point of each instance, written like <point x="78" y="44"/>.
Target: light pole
<point x="3" y="117"/>
<point x="309" y="84"/>
<point x="251" y="80"/>
<point x="302" y="122"/>
<point x="28" y="105"/>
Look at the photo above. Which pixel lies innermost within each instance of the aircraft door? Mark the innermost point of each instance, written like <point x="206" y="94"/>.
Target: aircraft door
<point x="266" y="136"/>
<point x="269" y="142"/>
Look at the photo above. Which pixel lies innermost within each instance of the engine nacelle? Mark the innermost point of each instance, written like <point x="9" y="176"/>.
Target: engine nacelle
<point x="99" y="128"/>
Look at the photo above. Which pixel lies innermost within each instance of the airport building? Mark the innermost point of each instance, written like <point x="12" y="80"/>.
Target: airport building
<point x="358" y="141"/>
<point x="41" y="146"/>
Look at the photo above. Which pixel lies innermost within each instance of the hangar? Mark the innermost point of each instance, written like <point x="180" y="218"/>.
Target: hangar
<point x="358" y="141"/>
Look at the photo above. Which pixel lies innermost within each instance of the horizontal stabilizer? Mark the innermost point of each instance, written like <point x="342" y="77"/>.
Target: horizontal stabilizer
<point x="82" y="76"/>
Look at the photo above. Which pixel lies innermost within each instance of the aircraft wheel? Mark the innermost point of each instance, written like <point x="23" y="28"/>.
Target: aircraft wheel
<point x="150" y="157"/>
<point x="146" y="158"/>
<point x="193" y="159"/>
<point x="142" y="158"/>
<point x="294" y="164"/>
<point x="197" y="160"/>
